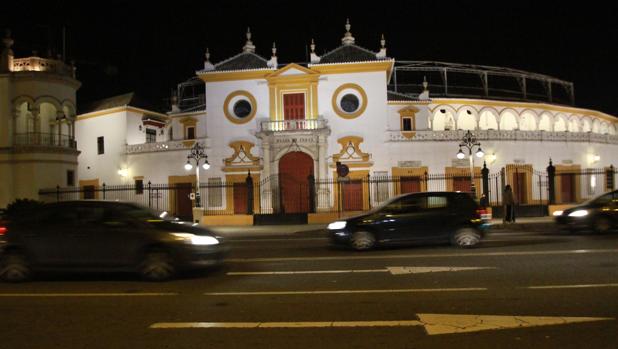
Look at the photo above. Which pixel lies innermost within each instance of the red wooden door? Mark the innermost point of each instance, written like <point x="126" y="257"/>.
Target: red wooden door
<point x="294" y="106"/>
<point x="240" y="198"/>
<point x="352" y="193"/>
<point x="410" y="184"/>
<point x="462" y="184"/>
<point x="183" y="201"/>
<point x="567" y="187"/>
<point x="520" y="188"/>
<point x="294" y="168"/>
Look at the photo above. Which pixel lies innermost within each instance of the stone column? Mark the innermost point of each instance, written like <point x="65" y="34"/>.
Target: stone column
<point x="266" y="195"/>
<point x="34" y="134"/>
<point x="323" y="185"/>
<point x="60" y="119"/>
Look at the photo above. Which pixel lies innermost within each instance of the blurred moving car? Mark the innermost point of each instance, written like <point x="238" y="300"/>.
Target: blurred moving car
<point x="102" y="236"/>
<point x="599" y="215"/>
<point x="430" y="217"/>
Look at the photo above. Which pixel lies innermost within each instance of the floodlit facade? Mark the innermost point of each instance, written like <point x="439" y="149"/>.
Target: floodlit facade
<point x="37" y="118"/>
<point x="288" y="125"/>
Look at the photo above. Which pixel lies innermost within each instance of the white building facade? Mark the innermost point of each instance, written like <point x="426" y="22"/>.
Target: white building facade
<point x="292" y="125"/>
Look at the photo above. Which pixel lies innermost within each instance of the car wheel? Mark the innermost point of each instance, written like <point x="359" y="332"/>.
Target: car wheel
<point x="601" y="225"/>
<point x="14" y="267"/>
<point x="157" y="266"/>
<point x="363" y="240"/>
<point x="466" y="237"/>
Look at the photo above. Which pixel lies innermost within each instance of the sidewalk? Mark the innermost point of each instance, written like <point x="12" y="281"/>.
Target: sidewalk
<point x="497" y="226"/>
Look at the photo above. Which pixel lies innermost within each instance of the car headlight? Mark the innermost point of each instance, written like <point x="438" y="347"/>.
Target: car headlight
<point x="337" y="225"/>
<point x="558" y="213"/>
<point x="578" y="213"/>
<point x="196" y="239"/>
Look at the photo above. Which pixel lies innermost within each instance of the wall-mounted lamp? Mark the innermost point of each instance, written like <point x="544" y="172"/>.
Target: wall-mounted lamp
<point x="491" y="158"/>
<point x="593" y="158"/>
<point x="123" y="172"/>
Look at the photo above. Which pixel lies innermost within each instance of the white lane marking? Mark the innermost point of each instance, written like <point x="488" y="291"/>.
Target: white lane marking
<point x="392" y="270"/>
<point x="549" y="287"/>
<point x="302" y="324"/>
<point x="290" y="293"/>
<point x="436" y="255"/>
<point x="86" y="294"/>
<point x="434" y="324"/>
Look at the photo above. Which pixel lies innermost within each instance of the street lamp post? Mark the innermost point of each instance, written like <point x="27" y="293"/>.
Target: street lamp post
<point x="197" y="154"/>
<point x="469" y="141"/>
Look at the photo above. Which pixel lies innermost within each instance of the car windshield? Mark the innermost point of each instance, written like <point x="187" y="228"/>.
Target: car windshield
<point x="603" y="199"/>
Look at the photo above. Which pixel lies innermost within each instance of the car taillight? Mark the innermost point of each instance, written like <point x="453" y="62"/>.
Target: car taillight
<point x="3" y="230"/>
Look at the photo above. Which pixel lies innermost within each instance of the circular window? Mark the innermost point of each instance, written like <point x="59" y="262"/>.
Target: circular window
<point x="242" y="108"/>
<point x="349" y="101"/>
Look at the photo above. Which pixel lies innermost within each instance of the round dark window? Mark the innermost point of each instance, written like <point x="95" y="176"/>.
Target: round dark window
<point x="349" y="103"/>
<point x="242" y="108"/>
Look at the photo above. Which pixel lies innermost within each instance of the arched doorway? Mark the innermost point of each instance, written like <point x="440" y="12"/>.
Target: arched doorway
<point x="294" y="170"/>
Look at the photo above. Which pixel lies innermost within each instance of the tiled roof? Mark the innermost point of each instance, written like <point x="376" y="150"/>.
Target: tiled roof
<point x="349" y="53"/>
<point x="395" y="96"/>
<point x="242" y="61"/>
<point x="127" y="99"/>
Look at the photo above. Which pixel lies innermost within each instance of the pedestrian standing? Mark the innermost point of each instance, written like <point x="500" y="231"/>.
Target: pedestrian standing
<point x="509" y="204"/>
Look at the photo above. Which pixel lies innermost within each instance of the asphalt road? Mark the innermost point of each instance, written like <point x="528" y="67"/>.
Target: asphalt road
<point x="519" y="289"/>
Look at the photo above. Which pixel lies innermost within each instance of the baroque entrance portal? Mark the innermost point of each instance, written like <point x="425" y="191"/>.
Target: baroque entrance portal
<point x="294" y="170"/>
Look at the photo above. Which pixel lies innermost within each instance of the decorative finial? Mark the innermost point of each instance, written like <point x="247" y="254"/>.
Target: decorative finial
<point x="7" y="40"/>
<point x="425" y="83"/>
<point x="348" y="39"/>
<point x="208" y="66"/>
<point x="425" y="94"/>
<point x="313" y="58"/>
<point x="272" y="63"/>
<point x="382" y="53"/>
<point x="249" y="47"/>
<point x="274" y="50"/>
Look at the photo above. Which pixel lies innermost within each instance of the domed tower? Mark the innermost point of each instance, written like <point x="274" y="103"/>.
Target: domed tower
<point x="37" y="117"/>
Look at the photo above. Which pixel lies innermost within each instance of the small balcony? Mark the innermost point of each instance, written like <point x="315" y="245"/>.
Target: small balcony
<point x="292" y="125"/>
<point x="36" y="139"/>
<point x="39" y="64"/>
<point x="183" y="144"/>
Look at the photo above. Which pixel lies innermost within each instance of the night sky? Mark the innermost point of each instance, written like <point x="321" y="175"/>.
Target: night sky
<point x="148" y="48"/>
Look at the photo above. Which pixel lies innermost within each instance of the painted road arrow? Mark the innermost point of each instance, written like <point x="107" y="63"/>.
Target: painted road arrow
<point x="434" y="324"/>
<point x="392" y="270"/>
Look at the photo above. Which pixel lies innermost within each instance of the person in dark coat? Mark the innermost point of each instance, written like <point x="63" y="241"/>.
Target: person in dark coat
<point x="509" y="204"/>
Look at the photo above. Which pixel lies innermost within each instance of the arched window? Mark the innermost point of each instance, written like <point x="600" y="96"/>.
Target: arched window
<point x="466" y="119"/>
<point x="443" y="119"/>
<point x="488" y="120"/>
<point x="508" y="121"/>
<point x="560" y="124"/>
<point x="527" y="121"/>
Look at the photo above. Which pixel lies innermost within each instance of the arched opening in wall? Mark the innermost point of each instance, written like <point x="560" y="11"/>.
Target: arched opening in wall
<point x="527" y="121"/>
<point x="508" y="121"/>
<point x="560" y="124"/>
<point x="573" y="125"/>
<point x="586" y="125"/>
<point x="22" y="122"/>
<point x="47" y="119"/>
<point x="545" y="123"/>
<point x="443" y="119"/>
<point x="466" y="120"/>
<point x="294" y="171"/>
<point x="596" y="126"/>
<point x="612" y="130"/>
<point x="488" y="120"/>
<point x="604" y="128"/>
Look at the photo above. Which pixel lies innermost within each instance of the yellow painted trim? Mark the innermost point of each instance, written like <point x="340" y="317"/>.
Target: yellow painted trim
<point x="451" y="172"/>
<point x="279" y="85"/>
<point x="87" y="182"/>
<point x="226" y="106"/>
<point x="172" y="180"/>
<point x="575" y="169"/>
<point x="279" y="73"/>
<point x="188" y="121"/>
<point x="357" y="174"/>
<point x="398" y="172"/>
<point x="221" y="220"/>
<point x="386" y="66"/>
<point x="233" y="76"/>
<point x="188" y="144"/>
<point x="242" y="169"/>
<point x="408" y="113"/>
<point x="504" y="104"/>
<point x="230" y="179"/>
<point x="138" y="177"/>
<point x="236" y="146"/>
<point x="188" y="114"/>
<point x="528" y="170"/>
<point x="361" y="108"/>
<point x="356" y="141"/>
<point x="118" y="110"/>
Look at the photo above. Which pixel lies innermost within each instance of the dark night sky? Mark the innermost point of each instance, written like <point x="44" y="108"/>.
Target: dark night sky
<point x="122" y="47"/>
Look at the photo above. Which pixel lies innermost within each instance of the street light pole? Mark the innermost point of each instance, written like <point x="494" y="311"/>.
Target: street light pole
<point x="197" y="154"/>
<point x="469" y="141"/>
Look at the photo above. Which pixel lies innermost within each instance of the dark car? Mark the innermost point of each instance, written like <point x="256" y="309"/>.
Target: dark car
<point x="599" y="215"/>
<point x="102" y="236"/>
<point x="430" y="217"/>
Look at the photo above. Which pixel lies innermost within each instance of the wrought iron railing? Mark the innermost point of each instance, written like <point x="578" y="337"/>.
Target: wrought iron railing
<point x="44" y="140"/>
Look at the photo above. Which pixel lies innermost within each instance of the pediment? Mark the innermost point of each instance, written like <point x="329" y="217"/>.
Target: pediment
<point x="292" y="70"/>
